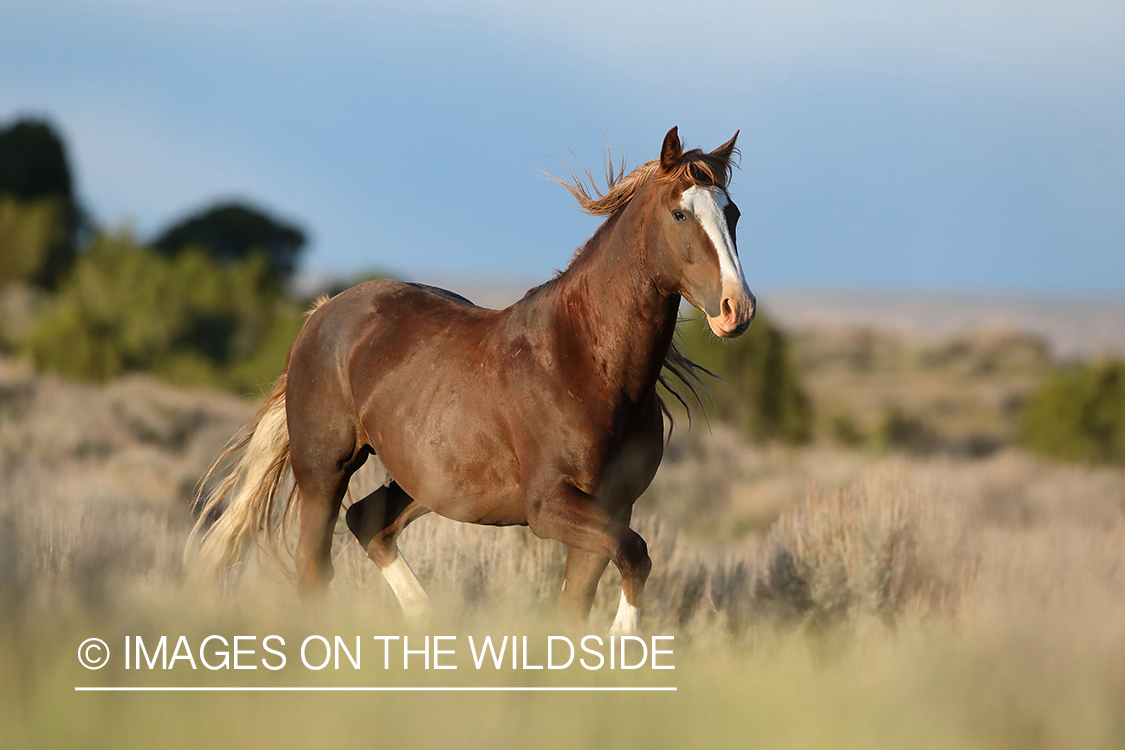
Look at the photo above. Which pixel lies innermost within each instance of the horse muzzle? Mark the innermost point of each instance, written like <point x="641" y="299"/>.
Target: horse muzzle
<point x="735" y="313"/>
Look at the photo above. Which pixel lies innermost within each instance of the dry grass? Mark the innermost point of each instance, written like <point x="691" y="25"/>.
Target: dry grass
<point x="820" y="597"/>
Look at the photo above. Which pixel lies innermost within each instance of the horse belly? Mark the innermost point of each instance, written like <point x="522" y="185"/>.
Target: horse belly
<point x="462" y="472"/>
<point x="470" y="485"/>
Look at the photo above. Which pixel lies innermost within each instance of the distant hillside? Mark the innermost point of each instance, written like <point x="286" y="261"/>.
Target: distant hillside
<point x="1072" y="326"/>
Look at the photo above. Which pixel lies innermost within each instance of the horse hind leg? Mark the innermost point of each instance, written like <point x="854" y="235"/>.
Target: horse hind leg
<point x="580" y="583"/>
<point x="321" y="486"/>
<point x="376" y="521"/>
<point x="320" y="499"/>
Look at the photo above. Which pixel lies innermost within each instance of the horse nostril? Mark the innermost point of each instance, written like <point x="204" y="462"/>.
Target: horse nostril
<point x="726" y="308"/>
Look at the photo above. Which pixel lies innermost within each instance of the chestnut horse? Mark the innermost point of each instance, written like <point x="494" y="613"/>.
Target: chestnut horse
<point x="543" y="414"/>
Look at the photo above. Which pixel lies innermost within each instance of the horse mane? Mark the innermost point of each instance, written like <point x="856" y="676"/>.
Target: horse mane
<point x="696" y="166"/>
<point x="690" y="374"/>
<point x="317" y="305"/>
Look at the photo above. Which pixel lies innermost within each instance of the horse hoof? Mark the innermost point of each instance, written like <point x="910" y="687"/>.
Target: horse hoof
<point x="628" y="620"/>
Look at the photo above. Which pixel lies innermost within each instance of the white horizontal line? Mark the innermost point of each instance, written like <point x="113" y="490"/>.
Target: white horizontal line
<point x="372" y="689"/>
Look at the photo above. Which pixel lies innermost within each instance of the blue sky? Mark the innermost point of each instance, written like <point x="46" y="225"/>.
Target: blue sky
<point x="976" y="146"/>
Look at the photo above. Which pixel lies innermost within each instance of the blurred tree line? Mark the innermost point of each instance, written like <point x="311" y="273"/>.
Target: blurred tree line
<point x="189" y="318"/>
<point x="203" y="303"/>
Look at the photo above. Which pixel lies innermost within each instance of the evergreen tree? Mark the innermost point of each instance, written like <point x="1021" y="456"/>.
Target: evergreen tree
<point x="39" y="216"/>
<point x="232" y="232"/>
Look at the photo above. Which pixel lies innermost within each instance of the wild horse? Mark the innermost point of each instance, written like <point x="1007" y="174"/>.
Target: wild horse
<point x="545" y="413"/>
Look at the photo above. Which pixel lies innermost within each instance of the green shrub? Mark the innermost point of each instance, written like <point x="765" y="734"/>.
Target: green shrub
<point x="257" y="370"/>
<point x="1078" y="414"/>
<point x="188" y="319"/>
<point x="31" y="234"/>
<point x="761" y="390"/>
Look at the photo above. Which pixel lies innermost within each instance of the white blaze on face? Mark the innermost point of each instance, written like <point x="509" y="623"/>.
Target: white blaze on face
<point x="707" y="204"/>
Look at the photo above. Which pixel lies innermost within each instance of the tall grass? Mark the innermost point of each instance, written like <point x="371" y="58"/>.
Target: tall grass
<point x="828" y="599"/>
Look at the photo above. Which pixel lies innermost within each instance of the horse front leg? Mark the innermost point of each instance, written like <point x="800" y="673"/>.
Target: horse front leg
<point x="578" y="520"/>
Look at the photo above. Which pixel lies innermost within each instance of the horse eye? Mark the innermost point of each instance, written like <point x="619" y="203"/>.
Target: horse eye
<point x="678" y="215"/>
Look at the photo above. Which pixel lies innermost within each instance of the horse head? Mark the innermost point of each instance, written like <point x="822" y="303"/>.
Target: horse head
<point x="691" y="236"/>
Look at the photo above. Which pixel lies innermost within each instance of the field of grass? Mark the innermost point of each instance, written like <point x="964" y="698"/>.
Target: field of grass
<point x="827" y="596"/>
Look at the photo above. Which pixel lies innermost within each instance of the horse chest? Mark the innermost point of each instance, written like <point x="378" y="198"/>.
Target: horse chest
<point x="612" y="450"/>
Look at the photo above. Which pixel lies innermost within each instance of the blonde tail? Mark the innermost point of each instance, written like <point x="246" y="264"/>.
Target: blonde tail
<point x="250" y="491"/>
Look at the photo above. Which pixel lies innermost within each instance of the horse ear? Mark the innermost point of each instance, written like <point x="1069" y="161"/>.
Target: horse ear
<point x="727" y="150"/>
<point x="671" y="151"/>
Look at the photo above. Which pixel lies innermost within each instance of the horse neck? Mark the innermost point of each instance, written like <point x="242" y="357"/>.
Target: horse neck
<point x="609" y="300"/>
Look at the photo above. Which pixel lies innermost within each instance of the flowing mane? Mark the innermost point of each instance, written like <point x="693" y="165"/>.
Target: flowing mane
<point x="696" y="166"/>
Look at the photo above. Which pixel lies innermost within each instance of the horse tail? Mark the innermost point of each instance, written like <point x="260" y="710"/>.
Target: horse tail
<point x="250" y="490"/>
